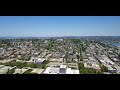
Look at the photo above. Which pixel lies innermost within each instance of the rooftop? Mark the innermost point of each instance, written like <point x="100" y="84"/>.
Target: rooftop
<point x="63" y="66"/>
<point x="54" y="70"/>
<point x="75" y="71"/>
<point x="39" y="71"/>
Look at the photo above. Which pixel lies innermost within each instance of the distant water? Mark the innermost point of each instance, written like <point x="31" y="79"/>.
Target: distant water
<point x="116" y="44"/>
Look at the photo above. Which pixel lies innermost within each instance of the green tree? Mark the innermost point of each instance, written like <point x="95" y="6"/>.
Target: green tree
<point x="11" y="71"/>
<point x="84" y="70"/>
<point x="104" y="68"/>
<point x="43" y="66"/>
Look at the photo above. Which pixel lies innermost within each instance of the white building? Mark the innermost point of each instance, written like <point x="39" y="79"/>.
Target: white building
<point x="96" y="66"/>
<point x="37" y="60"/>
<point x="4" y="69"/>
<point x="62" y="70"/>
<point x="2" y="50"/>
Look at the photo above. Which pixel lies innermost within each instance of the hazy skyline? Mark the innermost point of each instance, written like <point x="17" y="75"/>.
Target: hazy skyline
<point x="42" y="26"/>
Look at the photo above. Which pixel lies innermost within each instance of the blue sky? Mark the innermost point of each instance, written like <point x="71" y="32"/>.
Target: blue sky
<point x="40" y="26"/>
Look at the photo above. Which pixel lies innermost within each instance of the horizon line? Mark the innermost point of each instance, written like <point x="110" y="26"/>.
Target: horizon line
<point x="54" y="36"/>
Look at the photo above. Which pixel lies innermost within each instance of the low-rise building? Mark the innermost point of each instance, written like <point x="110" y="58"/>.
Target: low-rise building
<point x="87" y="65"/>
<point x="63" y="69"/>
<point x="38" y="71"/>
<point x="19" y="60"/>
<point x="20" y="71"/>
<point x="37" y="60"/>
<point x="30" y="62"/>
<point x="96" y="66"/>
<point x="115" y="59"/>
<point x="7" y="61"/>
<point x="117" y="68"/>
<point x="111" y="69"/>
<point x="92" y="65"/>
<point x="4" y="69"/>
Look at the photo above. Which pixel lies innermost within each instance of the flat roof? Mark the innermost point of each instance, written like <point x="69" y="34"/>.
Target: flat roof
<point x="47" y="70"/>
<point x="51" y="70"/>
<point x="68" y="71"/>
<point x="75" y="72"/>
<point x="37" y="71"/>
<point x="63" y="66"/>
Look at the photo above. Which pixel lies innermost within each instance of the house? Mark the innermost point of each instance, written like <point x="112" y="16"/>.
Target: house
<point x="30" y="62"/>
<point x="92" y="65"/>
<point x="87" y="65"/>
<point x="115" y="59"/>
<point x="7" y="61"/>
<point x="96" y="66"/>
<point x="111" y="69"/>
<point x="4" y="69"/>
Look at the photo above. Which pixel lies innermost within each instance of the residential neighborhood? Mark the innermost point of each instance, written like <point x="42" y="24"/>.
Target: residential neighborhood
<point x="52" y="55"/>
